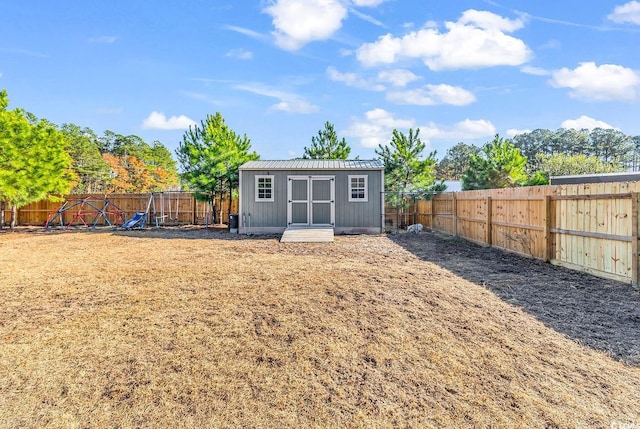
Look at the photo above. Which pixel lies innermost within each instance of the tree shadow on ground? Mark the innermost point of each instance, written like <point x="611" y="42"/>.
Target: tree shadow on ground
<point x="599" y="313"/>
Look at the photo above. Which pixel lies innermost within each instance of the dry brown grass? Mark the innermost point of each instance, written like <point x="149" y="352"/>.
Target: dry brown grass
<point x="201" y="329"/>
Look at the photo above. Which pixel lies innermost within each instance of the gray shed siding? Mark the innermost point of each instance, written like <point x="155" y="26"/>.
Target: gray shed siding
<point x="348" y="215"/>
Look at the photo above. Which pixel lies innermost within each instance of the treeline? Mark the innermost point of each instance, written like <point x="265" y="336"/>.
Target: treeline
<point x="115" y="163"/>
<point x="608" y="145"/>
<point x="542" y="153"/>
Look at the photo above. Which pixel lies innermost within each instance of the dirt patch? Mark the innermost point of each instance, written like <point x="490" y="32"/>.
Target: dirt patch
<point x="599" y="313"/>
<point x="200" y="328"/>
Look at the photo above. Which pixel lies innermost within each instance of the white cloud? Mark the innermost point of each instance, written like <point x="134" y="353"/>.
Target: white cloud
<point x="536" y="71"/>
<point x="247" y="32"/>
<point x="512" y="132"/>
<point x="628" y="12"/>
<point x="378" y="124"/>
<point x="368" y="3"/>
<point x="367" y="18"/>
<point x="240" y="54"/>
<point x="478" y="39"/>
<point x="298" y="22"/>
<point x="354" y="80"/>
<point x="384" y="51"/>
<point x="295" y="106"/>
<point x="605" y="82"/>
<point x="158" y="121"/>
<point x="432" y="95"/>
<point x="103" y="39"/>
<point x="376" y="128"/>
<point x="397" y="77"/>
<point x="490" y="21"/>
<point x="467" y="129"/>
<point x="288" y="102"/>
<point x="586" y="123"/>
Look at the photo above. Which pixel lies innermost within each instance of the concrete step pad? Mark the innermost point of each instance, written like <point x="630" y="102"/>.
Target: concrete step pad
<point x="307" y="235"/>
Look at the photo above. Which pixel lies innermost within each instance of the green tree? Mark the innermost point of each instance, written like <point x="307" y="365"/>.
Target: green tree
<point x="569" y="141"/>
<point x="113" y="143"/>
<point x="159" y="156"/>
<point x="327" y="146"/>
<point x="92" y="172"/>
<point x="210" y="156"/>
<point x="456" y="161"/>
<point x="500" y="165"/>
<point x="406" y="171"/>
<point x="560" y="164"/>
<point x="404" y="168"/>
<point x="162" y="166"/>
<point x="34" y="164"/>
<point x="611" y="145"/>
<point x="533" y="143"/>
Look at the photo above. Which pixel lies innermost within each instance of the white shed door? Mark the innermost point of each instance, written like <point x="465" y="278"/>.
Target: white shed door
<point x="311" y="200"/>
<point x="298" y="197"/>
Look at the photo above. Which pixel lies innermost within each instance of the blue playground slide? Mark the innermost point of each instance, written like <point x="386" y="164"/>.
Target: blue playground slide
<point x="137" y="220"/>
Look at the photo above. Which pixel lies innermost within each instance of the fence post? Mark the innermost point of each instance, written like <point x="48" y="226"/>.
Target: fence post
<point x="489" y="239"/>
<point x="194" y="212"/>
<point x="433" y="197"/>
<point x="634" y="240"/>
<point x="455" y="215"/>
<point x="548" y="221"/>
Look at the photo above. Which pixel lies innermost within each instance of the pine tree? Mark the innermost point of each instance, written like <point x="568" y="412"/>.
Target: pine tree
<point x="404" y="168"/>
<point x="210" y="156"/>
<point x="326" y="145"/>
<point x="500" y="165"/>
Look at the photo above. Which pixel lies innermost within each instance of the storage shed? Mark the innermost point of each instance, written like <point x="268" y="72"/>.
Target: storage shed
<point x="345" y="195"/>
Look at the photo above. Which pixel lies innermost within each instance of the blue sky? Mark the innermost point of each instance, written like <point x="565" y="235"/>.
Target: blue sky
<point x="278" y="70"/>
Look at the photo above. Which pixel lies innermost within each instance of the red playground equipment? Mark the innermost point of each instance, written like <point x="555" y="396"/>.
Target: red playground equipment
<point x="88" y="212"/>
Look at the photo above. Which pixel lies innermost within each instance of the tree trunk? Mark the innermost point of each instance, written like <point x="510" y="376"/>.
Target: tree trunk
<point x="14" y="216"/>
<point x="2" y="205"/>
<point x="213" y="208"/>
<point x="230" y="201"/>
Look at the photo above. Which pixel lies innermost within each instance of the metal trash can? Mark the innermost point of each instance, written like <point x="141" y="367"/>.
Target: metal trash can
<point x="233" y="223"/>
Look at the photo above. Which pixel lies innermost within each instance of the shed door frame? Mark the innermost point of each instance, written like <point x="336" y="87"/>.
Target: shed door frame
<point x="310" y="201"/>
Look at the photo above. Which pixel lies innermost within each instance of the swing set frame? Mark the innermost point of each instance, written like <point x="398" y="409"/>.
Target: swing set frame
<point x="162" y="209"/>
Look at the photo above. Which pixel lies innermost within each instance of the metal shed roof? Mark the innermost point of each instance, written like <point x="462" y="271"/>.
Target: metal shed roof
<point x="632" y="176"/>
<point x="314" y="164"/>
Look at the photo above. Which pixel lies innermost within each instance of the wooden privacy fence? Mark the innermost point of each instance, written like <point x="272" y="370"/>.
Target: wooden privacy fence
<point x="588" y="227"/>
<point x="170" y="208"/>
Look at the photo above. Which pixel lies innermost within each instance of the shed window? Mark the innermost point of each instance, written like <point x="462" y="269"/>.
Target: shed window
<point x="264" y="188"/>
<point x="358" y="188"/>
